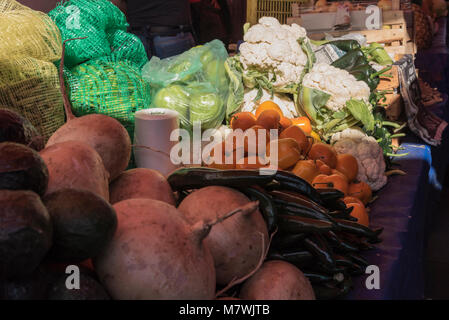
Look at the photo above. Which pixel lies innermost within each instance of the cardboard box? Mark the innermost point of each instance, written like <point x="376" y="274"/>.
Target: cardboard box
<point x="325" y="21"/>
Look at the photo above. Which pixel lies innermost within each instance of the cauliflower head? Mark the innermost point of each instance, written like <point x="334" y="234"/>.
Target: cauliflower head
<point x="369" y="157"/>
<point x="286" y="104"/>
<point x="271" y="46"/>
<point x="339" y="83"/>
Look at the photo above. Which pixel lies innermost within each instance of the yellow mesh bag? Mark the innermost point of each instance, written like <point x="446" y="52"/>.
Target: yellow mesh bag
<point x="29" y="83"/>
<point x="31" y="87"/>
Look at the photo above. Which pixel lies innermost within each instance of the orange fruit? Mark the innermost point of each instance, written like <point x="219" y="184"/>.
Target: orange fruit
<point x="296" y="133"/>
<point x="269" y="119"/>
<point x="303" y="123"/>
<point x="268" y="105"/>
<point x="348" y="200"/>
<point x="334" y="171"/>
<point x="289" y="152"/>
<point x="360" y="190"/>
<point x="251" y="162"/>
<point x="228" y="159"/>
<point x="306" y="169"/>
<point x="323" y="152"/>
<point x="347" y="164"/>
<point x="243" y="120"/>
<point x="285" y="123"/>
<point x="360" y="213"/>
<point x="323" y="168"/>
<point x="254" y="143"/>
<point x="333" y="181"/>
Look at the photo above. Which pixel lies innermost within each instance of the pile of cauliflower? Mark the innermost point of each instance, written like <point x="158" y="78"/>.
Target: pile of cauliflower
<point x="368" y="153"/>
<point x="275" y="48"/>
<point x="339" y="83"/>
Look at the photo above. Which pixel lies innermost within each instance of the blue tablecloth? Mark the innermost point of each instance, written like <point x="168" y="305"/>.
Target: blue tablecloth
<point x="406" y="205"/>
<point x="405" y="209"/>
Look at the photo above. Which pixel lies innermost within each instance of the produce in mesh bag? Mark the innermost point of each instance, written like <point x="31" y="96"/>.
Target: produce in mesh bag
<point x="195" y="84"/>
<point x="27" y="33"/>
<point x="112" y="88"/>
<point x="29" y="45"/>
<point x="103" y="25"/>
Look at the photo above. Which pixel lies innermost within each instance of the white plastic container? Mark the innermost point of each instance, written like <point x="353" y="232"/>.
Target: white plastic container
<point x="152" y="144"/>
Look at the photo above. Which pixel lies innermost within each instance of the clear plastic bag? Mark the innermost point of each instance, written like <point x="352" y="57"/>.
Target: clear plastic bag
<point x="194" y="84"/>
<point x="195" y="102"/>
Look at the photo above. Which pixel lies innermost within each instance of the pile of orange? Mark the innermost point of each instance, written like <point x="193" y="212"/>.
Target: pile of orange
<point x="301" y="151"/>
<point x="294" y="136"/>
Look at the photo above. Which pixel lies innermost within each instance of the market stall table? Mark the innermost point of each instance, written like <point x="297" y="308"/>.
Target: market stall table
<point x="401" y="210"/>
<point x="406" y="205"/>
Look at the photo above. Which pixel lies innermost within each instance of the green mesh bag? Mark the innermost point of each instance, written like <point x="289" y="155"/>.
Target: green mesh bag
<point x="113" y="88"/>
<point x="103" y="25"/>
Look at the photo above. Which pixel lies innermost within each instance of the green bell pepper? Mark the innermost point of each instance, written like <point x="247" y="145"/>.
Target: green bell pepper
<point x="356" y="63"/>
<point x="344" y="45"/>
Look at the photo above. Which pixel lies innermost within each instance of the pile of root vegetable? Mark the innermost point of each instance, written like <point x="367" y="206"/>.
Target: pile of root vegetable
<point x="233" y="234"/>
<point x="310" y="229"/>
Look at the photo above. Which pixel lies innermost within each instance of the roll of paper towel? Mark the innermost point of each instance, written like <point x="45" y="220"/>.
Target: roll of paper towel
<point x="152" y="144"/>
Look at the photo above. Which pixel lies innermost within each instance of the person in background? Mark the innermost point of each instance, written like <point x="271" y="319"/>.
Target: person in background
<point x="211" y="20"/>
<point x="164" y="26"/>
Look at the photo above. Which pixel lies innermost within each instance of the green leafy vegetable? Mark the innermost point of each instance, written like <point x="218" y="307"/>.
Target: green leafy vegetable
<point x="376" y="52"/>
<point x="312" y="100"/>
<point x="311" y="59"/>
<point x="236" y="90"/>
<point x="360" y="111"/>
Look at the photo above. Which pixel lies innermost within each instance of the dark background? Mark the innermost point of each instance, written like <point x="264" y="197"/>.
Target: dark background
<point x="41" y="5"/>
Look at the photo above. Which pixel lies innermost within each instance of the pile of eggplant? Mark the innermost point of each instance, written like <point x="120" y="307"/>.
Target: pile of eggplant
<point x="313" y="229"/>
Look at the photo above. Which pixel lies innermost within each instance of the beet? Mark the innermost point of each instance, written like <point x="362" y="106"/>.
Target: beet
<point x="75" y="165"/>
<point x="31" y="287"/>
<point x="104" y="134"/>
<point x="236" y="244"/>
<point x="90" y="289"/>
<point x="277" y="280"/>
<point x="141" y="183"/>
<point x="15" y="128"/>
<point x="25" y="233"/>
<point x="22" y="168"/>
<point x="156" y="255"/>
<point x="83" y="224"/>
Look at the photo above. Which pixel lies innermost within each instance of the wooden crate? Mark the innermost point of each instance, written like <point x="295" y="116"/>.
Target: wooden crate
<point x="279" y="9"/>
<point x="397" y="33"/>
<point x="389" y="80"/>
<point x="394" y="34"/>
<point x="394" y="105"/>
